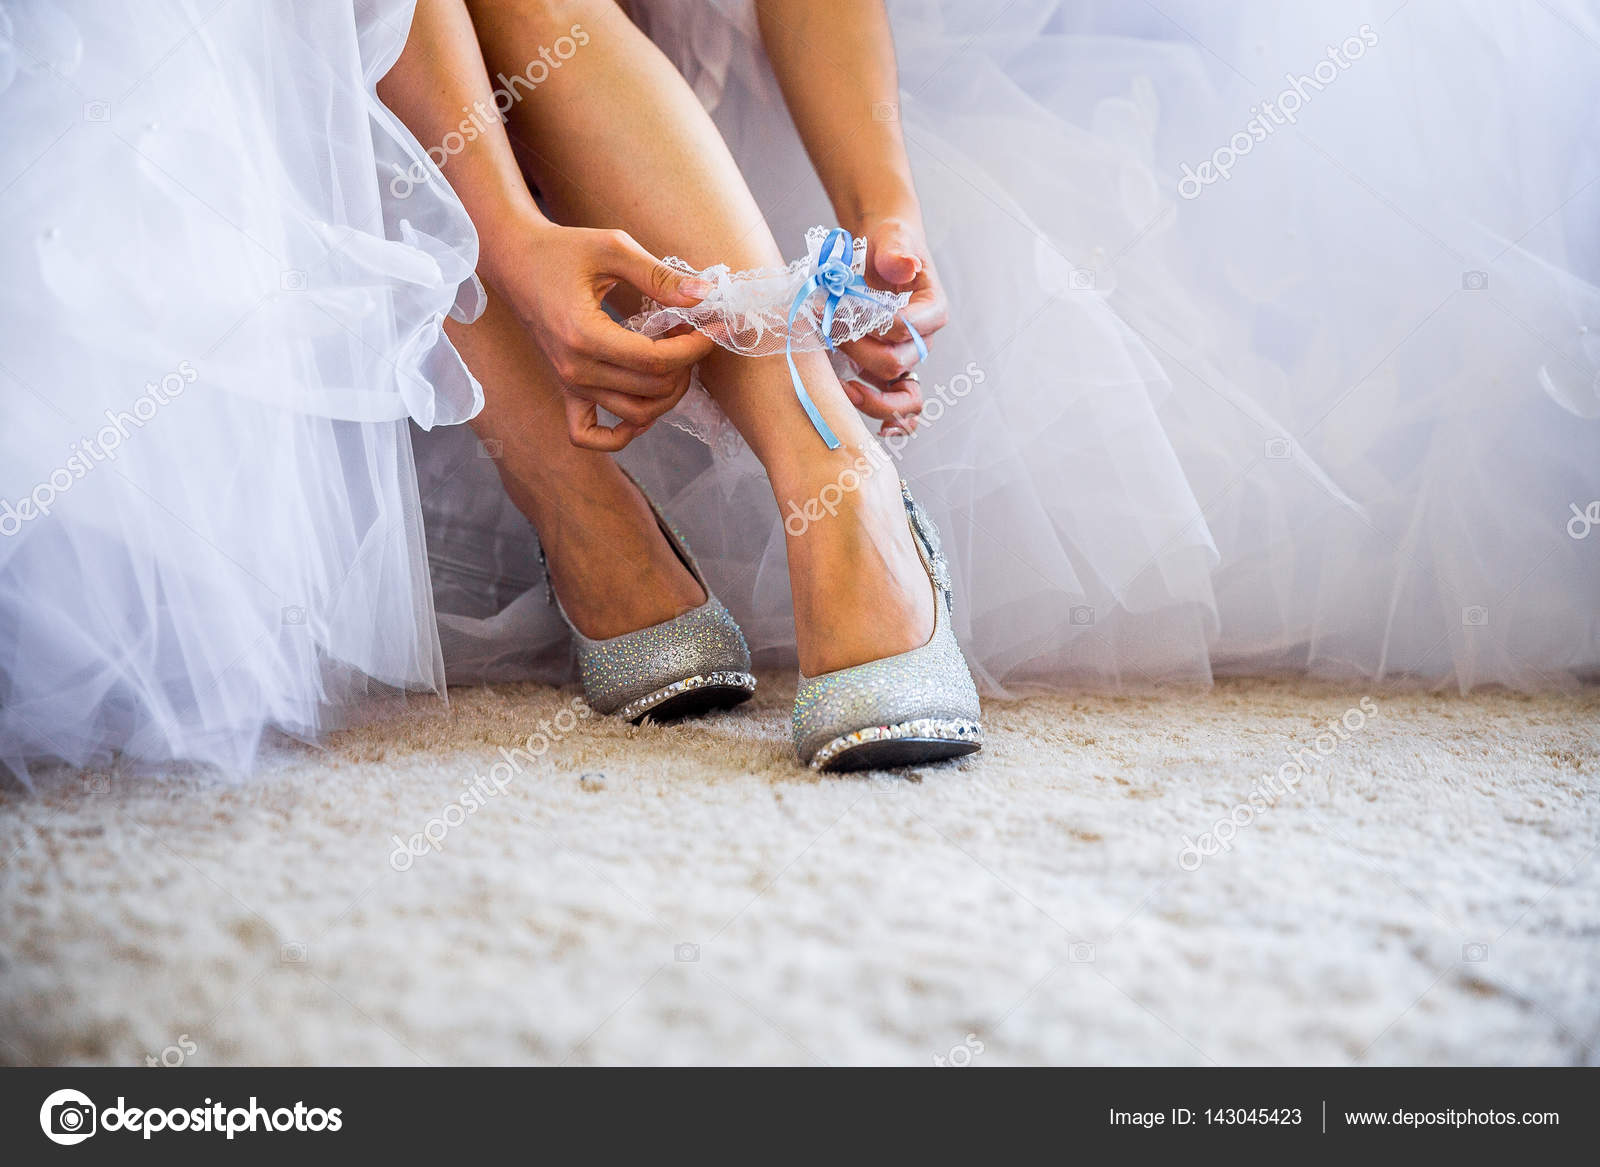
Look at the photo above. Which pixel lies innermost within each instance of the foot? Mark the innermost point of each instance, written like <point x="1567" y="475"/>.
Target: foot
<point x="861" y="592"/>
<point x="609" y="562"/>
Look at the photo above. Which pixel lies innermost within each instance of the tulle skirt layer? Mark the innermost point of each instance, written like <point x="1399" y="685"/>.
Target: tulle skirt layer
<point x="1223" y="390"/>
<point x="218" y="317"/>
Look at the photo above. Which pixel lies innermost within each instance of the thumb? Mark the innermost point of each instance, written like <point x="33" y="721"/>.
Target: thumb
<point x="894" y="258"/>
<point x="655" y="279"/>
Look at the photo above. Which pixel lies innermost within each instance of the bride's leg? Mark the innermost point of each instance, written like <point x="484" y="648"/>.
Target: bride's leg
<point x="613" y="137"/>
<point x="594" y="525"/>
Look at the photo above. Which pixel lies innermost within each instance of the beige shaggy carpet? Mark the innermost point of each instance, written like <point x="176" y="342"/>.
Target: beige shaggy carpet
<point x="1421" y="886"/>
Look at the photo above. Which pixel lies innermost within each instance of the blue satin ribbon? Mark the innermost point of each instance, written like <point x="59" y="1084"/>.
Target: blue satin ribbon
<point x="836" y="275"/>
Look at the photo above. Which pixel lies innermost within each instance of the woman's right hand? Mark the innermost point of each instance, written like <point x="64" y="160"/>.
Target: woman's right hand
<point x="555" y="278"/>
<point x="557" y="285"/>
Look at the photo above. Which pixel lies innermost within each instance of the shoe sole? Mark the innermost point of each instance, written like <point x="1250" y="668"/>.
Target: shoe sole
<point x="691" y="696"/>
<point x="908" y="743"/>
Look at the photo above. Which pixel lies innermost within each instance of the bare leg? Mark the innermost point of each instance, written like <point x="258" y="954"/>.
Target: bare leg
<point x="614" y="138"/>
<point x="595" y="526"/>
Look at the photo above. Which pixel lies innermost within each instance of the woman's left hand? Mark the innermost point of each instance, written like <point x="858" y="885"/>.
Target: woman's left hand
<point x="897" y="260"/>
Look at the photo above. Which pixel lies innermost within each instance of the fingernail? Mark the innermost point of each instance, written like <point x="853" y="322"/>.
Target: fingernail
<point x="695" y="286"/>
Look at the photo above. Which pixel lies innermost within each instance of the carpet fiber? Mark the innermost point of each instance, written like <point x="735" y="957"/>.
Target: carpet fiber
<point x="1421" y="886"/>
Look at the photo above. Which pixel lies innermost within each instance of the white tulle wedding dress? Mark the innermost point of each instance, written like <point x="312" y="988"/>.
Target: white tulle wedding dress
<point x="1227" y="387"/>
<point x="215" y="324"/>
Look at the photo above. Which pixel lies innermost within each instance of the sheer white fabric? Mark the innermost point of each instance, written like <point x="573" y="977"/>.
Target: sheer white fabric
<point x="216" y="320"/>
<point x="747" y="312"/>
<point x="1332" y="412"/>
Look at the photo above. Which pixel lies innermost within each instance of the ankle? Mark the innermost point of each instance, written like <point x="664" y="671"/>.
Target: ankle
<point x="561" y="497"/>
<point x="861" y="591"/>
<point x="610" y="563"/>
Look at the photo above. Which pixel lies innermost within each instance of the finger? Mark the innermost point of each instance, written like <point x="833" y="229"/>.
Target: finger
<point x="900" y="424"/>
<point x="586" y="432"/>
<point x="883" y="359"/>
<point x="609" y="342"/>
<point x="639" y="411"/>
<point x="893" y="400"/>
<point x="584" y="377"/>
<point x="895" y="258"/>
<point x="662" y="283"/>
<point x="927" y="312"/>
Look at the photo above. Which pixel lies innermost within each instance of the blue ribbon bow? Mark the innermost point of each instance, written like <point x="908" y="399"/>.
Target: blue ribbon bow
<point x="836" y="275"/>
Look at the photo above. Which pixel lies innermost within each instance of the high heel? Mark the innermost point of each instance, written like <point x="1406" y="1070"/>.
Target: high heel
<point x="905" y="710"/>
<point x="692" y="663"/>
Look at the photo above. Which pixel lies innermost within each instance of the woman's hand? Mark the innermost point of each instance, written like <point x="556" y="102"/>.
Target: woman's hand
<point x="557" y="283"/>
<point x="555" y="278"/>
<point x="898" y="260"/>
<point x="848" y="116"/>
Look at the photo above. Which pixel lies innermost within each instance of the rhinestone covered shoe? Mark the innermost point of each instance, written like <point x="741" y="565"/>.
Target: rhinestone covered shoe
<point x="696" y="662"/>
<point x="920" y="706"/>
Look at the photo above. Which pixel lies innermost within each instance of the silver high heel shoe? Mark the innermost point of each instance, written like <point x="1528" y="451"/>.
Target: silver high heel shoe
<point x="690" y="664"/>
<point x="919" y="706"/>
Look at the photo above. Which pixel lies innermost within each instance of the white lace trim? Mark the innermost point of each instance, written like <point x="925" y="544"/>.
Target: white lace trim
<point x="747" y="312"/>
